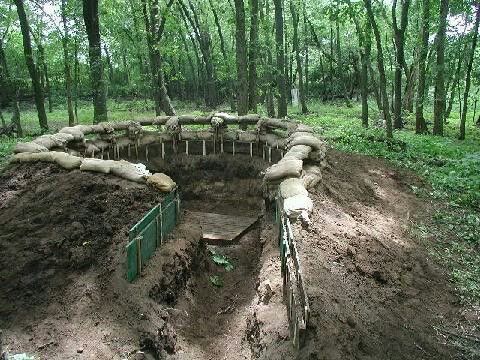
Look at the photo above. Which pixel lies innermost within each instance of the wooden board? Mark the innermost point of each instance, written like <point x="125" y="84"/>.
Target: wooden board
<point x="221" y="228"/>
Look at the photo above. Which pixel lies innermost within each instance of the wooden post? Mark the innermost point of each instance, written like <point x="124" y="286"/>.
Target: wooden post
<point x="221" y="143"/>
<point x="269" y="154"/>
<point x="204" y="148"/>
<point x="146" y="152"/>
<point x="186" y="147"/>
<point x="129" y="151"/>
<point x="251" y="149"/>
<point x="233" y="147"/>
<point x="163" y="150"/>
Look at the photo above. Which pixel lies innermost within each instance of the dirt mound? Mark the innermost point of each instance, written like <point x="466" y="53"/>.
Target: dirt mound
<point x="373" y="290"/>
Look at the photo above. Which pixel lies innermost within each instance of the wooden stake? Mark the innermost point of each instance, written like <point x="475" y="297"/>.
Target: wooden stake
<point x="221" y="144"/>
<point x="233" y="147"/>
<point x="163" y="150"/>
<point x="204" y="148"/>
<point x="128" y="151"/>
<point x="146" y="152"/>
<point x="251" y="149"/>
<point x="269" y="154"/>
<point x="186" y="147"/>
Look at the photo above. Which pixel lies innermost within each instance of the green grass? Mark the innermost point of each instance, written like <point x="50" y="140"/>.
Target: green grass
<point x="449" y="167"/>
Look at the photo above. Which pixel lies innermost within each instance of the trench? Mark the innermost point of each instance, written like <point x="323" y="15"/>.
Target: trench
<point x="216" y="304"/>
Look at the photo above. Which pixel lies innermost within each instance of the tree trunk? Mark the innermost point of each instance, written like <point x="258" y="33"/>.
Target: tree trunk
<point x="296" y="47"/>
<point x="439" y="99"/>
<point x="76" y="79"/>
<point x="381" y="69"/>
<point x="66" y="65"/>
<point x="399" y="36"/>
<point x="455" y="82"/>
<point x="16" y="115"/>
<point x="282" y="88"/>
<point x="420" y="124"/>
<point x="241" y="58"/>
<point x="90" y="17"/>
<point x="5" y="90"/>
<point x="32" y="69"/>
<point x="463" y="119"/>
<point x="252" y="57"/>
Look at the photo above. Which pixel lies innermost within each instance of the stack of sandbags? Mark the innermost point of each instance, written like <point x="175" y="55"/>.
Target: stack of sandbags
<point x="285" y="168"/>
<point x="161" y="182"/>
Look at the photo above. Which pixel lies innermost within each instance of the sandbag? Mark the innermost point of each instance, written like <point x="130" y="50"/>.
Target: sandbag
<point x="33" y="157"/>
<point x="91" y="149"/>
<point x="45" y="140"/>
<point x="318" y="155"/>
<point x="299" y="152"/>
<point x="66" y="161"/>
<point x="292" y="187"/>
<point x="148" y="138"/>
<point x="101" y="144"/>
<point x="303" y="128"/>
<point x="172" y="125"/>
<point x="283" y="169"/>
<point x="85" y="129"/>
<point x="229" y="135"/>
<point x="29" y="147"/>
<point x="247" y="136"/>
<point x="62" y="139"/>
<point x="204" y="135"/>
<point x="311" y="176"/>
<point x="161" y="182"/>
<point x="272" y="140"/>
<point x="97" y="165"/>
<point x="299" y="133"/>
<point x="129" y="171"/>
<point x="298" y="206"/>
<point x="308" y="140"/>
<point x="188" y="135"/>
<point x="76" y="133"/>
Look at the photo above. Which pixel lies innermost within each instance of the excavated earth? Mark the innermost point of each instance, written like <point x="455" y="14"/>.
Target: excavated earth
<point x="374" y="291"/>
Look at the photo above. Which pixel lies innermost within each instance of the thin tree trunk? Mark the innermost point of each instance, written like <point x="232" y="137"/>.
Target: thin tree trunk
<point x="241" y="58"/>
<point x="92" y="26"/>
<point x="381" y="69"/>
<point x="455" y="81"/>
<point x="466" y="92"/>
<point x="296" y="47"/>
<point x="66" y="65"/>
<point x="76" y="79"/>
<point x="282" y="89"/>
<point x="439" y="100"/>
<point x="420" y="124"/>
<point x="16" y="115"/>
<point x="399" y="36"/>
<point x="32" y="69"/>
<point x="252" y="57"/>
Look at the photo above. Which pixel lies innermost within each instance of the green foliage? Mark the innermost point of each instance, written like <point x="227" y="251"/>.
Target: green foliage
<point x="449" y="167"/>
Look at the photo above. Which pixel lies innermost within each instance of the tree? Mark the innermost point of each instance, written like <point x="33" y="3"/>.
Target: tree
<point x="399" y="36"/>
<point x="280" y="67"/>
<point x="66" y="61"/>
<point x="440" y="94"/>
<point x="154" y="28"/>
<point x="296" y="49"/>
<point x="469" y="72"/>
<point x="252" y="57"/>
<point x="92" y="26"/>
<point x="381" y="69"/>
<point x="420" y="124"/>
<point x="32" y="68"/>
<point x="241" y="58"/>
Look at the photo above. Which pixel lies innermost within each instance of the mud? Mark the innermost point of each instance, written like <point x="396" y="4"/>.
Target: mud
<point x="374" y="291"/>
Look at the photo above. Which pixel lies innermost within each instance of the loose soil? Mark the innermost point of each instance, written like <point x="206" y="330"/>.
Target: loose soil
<point x="374" y="291"/>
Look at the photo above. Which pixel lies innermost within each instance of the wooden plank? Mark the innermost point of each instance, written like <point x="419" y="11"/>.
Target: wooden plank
<point x="219" y="227"/>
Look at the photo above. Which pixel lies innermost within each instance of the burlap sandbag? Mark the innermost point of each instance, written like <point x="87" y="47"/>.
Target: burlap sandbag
<point x="161" y="182"/>
<point x="33" y="157"/>
<point x="308" y="140"/>
<point x="45" y="140"/>
<point x="311" y="176"/>
<point x="299" y="133"/>
<point x="76" y="133"/>
<point x="29" y="147"/>
<point x="204" y="135"/>
<point x="66" y="161"/>
<point x="272" y="140"/>
<point x="188" y="135"/>
<point x="283" y="169"/>
<point x="247" y="136"/>
<point x="303" y="128"/>
<point x="62" y="139"/>
<point x="97" y="165"/>
<point x="85" y="129"/>
<point x="299" y="152"/>
<point x="318" y="155"/>
<point x="292" y="187"/>
<point x="91" y="149"/>
<point x="101" y="144"/>
<point x="128" y="171"/>
<point x="298" y="206"/>
<point x="229" y="135"/>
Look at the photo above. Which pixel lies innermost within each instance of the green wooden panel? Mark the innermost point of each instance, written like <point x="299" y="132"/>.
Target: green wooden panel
<point x="149" y="241"/>
<point x="168" y="218"/>
<point x="132" y="260"/>
<point x="146" y="220"/>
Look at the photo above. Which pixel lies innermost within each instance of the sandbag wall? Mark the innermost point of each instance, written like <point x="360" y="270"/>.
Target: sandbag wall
<point x="296" y="153"/>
